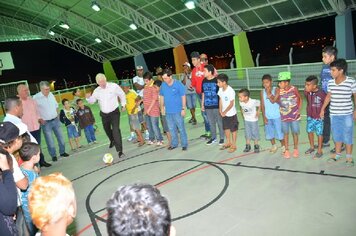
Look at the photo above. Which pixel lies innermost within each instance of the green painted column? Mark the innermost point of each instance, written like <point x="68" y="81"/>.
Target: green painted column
<point x="243" y="54"/>
<point x="109" y="71"/>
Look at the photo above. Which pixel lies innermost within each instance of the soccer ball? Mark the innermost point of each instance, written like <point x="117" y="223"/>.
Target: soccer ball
<point x="108" y="158"/>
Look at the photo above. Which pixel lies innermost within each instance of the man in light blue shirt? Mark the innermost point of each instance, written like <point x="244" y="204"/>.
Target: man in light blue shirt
<point x="48" y="109"/>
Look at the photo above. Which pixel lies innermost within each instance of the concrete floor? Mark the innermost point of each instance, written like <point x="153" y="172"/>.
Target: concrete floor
<point x="212" y="192"/>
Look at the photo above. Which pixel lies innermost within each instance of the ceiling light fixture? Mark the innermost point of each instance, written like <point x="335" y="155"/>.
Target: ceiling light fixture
<point x="133" y="26"/>
<point x="51" y="33"/>
<point x="64" y="25"/>
<point x="95" y="6"/>
<point x="98" y="40"/>
<point x="190" y="4"/>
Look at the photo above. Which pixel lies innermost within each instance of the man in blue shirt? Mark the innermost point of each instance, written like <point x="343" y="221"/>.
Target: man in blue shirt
<point x="173" y="103"/>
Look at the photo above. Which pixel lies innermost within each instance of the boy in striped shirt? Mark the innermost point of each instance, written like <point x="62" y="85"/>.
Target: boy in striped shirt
<point x="342" y="114"/>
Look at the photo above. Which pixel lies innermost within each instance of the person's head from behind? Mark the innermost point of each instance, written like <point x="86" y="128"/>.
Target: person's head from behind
<point x="209" y="71"/>
<point x="284" y="79"/>
<point x="30" y="152"/>
<point x="13" y="106"/>
<point x="311" y="83"/>
<point x="244" y="95"/>
<point x="45" y="89"/>
<point x="101" y="80"/>
<point x="65" y="103"/>
<point x="10" y="136"/>
<point x="329" y="54"/>
<point x="222" y="80"/>
<point x="338" y="68"/>
<point x="147" y="77"/>
<point x="80" y="103"/>
<point x="157" y="84"/>
<point x="52" y="202"/>
<point x="138" y="209"/>
<point x="167" y="75"/>
<point x="267" y="81"/>
<point x="195" y="56"/>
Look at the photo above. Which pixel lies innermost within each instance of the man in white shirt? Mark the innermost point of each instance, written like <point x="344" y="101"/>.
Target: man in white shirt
<point x="138" y="81"/>
<point x="48" y="110"/>
<point x="107" y="95"/>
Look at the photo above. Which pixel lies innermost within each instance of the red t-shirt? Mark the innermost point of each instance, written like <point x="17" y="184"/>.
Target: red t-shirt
<point x="198" y="77"/>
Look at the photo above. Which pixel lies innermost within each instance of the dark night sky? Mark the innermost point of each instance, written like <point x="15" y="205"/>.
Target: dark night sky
<point x="45" y="60"/>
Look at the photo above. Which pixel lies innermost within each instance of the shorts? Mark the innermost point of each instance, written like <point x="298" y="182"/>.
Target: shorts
<point x="231" y="123"/>
<point x="342" y="128"/>
<point x="164" y="123"/>
<point x="293" y="125"/>
<point x="252" y="131"/>
<point x="134" y="122"/>
<point x="191" y="100"/>
<point x="72" y="131"/>
<point x="273" y="129"/>
<point x="140" y="117"/>
<point x="315" y="126"/>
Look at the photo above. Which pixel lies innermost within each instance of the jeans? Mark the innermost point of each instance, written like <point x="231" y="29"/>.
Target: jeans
<point x="215" y="119"/>
<point x="49" y="127"/>
<point x="37" y="135"/>
<point x="205" y="117"/>
<point x="153" y="128"/>
<point x="90" y="133"/>
<point x="175" y="120"/>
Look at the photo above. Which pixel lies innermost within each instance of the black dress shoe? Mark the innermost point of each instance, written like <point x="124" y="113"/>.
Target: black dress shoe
<point x="111" y="144"/>
<point x="184" y="148"/>
<point x="54" y="159"/>
<point x="64" y="154"/>
<point x="171" y="148"/>
<point x="45" y="164"/>
<point x="121" y="155"/>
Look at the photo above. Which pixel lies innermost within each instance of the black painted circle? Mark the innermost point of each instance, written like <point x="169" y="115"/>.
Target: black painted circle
<point x="94" y="217"/>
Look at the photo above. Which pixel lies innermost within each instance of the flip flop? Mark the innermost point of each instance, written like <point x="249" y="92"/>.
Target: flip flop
<point x="225" y="147"/>
<point x="232" y="149"/>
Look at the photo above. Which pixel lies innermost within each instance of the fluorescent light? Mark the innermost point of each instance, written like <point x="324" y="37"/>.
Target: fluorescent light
<point x="95" y="6"/>
<point x="64" y="25"/>
<point x="133" y="26"/>
<point x="98" y="40"/>
<point x="51" y="33"/>
<point x="190" y="4"/>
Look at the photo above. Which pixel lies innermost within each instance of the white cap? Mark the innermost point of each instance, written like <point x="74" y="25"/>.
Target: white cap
<point x="186" y="64"/>
<point x="139" y="67"/>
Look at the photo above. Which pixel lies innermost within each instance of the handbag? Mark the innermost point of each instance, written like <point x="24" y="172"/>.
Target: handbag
<point x="21" y="224"/>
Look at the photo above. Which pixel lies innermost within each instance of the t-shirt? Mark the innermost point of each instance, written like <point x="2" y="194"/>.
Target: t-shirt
<point x="210" y="89"/>
<point x="341" y="102"/>
<point x="141" y="82"/>
<point x="198" y="77"/>
<point x="271" y="109"/>
<point x="315" y="101"/>
<point x="150" y="94"/>
<point x="288" y="104"/>
<point x="325" y="76"/>
<point x="226" y="97"/>
<point x="18" y="175"/>
<point x="131" y="102"/>
<point x="249" y="109"/>
<point x="172" y="96"/>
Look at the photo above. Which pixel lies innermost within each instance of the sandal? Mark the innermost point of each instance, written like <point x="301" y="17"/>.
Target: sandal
<point x="141" y="144"/>
<point x="309" y="151"/>
<point x="225" y="146"/>
<point x="334" y="159"/>
<point x="350" y="163"/>
<point x="232" y="149"/>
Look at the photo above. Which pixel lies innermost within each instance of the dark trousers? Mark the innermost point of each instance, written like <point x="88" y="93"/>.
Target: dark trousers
<point x="111" y="124"/>
<point x="326" y="130"/>
<point x="37" y="135"/>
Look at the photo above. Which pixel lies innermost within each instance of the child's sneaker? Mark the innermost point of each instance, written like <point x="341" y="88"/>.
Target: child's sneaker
<point x="283" y="149"/>
<point x="131" y="138"/>
<point x="221" y="142"/>
<point x="147" y="135"/>
<point x="151" y="142"/>
<point x="211" y="141"/>
<point x="295" y="153"/>
<point x="247" y="148"/>
<point x="160" y="143"/>
<point x="286" y="154"/>
<point x="273" y="149"/>
<point x="257" y="148"/>
<point x="95" y="142"/>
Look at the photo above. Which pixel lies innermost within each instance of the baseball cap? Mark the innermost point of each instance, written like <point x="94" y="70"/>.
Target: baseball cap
<point x="125" y="83"/>
<point x="139" y="67"/>
<point x="8" y="132"/>
<point x="283" y="76"/>
<point x="203" y="55"/>
<point x="186" y="64"/>
<point x="195" y="54"/>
